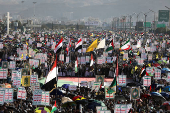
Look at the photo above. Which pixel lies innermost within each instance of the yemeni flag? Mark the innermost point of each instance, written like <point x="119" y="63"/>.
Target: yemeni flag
<point x="126" y="46"/>
<point x="76" y="66"/>
<point x="54" y="108"/>
<point x="50" y="81"/>
<point x="58" y="47"/>
<point x="78" y="45"/>
<point x="111" y="46"/>
<point x="92" y="60"/>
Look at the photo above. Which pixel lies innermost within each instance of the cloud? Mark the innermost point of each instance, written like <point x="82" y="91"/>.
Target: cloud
<point x="9" y="2"/>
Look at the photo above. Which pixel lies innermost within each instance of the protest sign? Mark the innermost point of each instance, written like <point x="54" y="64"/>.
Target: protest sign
<point x="61" y="57"/>
<point x="121" y="80"/>
<point x="96" y="86"/>
<point x="67" y="59"/>
<point x="21" y="94"/>
<point x="24" y="71"/>
<point x="157" y="73"/>
<point x="146" y="81"/>
<point x="12" y="65"/>
<point x="2" y="93"/>
<point x="8" y="95"/>
<point x="135" y="93"/>
<point x="25" y="80"/>
<point x="1" y="46"/>
<point x="4" y="64"/>
<point x="3" y="73"/>
<point x="83" y="60"/>
<point x="72" y="87"/>
<point x="100" y="78"/>
<point x="34" y="79"/>
<point x="37" y="97"/>
<point x="45" y="100"/>
<point x="35" y="86"/>
<point x="100" y="60"/>
<point x="83" y="83"/>
<point x="168" y="77"/>
<point x="87" y="59"/>
<point x="109" y="93"/>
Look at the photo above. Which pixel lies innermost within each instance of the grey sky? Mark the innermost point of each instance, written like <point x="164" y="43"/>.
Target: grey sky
<point x="82" y="8"/>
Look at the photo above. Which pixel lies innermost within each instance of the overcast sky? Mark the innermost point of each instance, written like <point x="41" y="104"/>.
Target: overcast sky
<point x="82" y="8"/>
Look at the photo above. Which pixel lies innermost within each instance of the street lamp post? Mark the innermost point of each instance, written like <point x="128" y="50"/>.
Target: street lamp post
<point x="154" y="20"/>
<point x="34" y="13"/>
<point x="145" y="14"/>
<point x="169" y="14"/>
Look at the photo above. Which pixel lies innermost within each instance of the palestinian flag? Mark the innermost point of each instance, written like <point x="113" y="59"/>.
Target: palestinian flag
<point x="78" y="45"/>
<point x="143" y="72"/>
<point x="76" y="66"/>
<point x="112" y="87"/>
<point x="111" y="46"/>
<point x="54" y="108"/>
<point x="126" y="46"/>
<point x="58" y="47"/>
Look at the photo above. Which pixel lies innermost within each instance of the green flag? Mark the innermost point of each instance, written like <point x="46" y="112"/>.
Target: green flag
<point x="113" y="84"/>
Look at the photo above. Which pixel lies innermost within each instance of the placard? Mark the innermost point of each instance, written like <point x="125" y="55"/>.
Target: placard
<point x="45" y="100"/>
<point x="109" y="94"/>
<point x="146" y="81"/>
<point x="2" y="93"/>
<point x="35" y="86"/>
<point x="100" y="60"/>
<point x="1" y="46"/>
<point x="83" y="60"/>
<point x="121" y="80"/>
<point x="72" y="87"/>
<point x="61" y="57"/>
<point x="135" y="93"/>
<point x="168" y="77"/>
<point x="25" y="80"/>
<point x="96" y="86"/>
<point x="157" y="73"/>
<point x="12" y="65"/>
<point x="4" y="64"/>
<point x="100" y="78"/>
<point x="125" y="56"/>
<point x="8" y="95"/>
<point x="37" y="97"/>
<point x="87" y="59"/>
<point x="83" y="83"/>
<point x="24" y="71"/>
<point x="67" y="59"/>
<point x="3" y="73"/>
<point x="34" y="79"/>
<point x="149" y="57"/>
<point x="21" y="94"/>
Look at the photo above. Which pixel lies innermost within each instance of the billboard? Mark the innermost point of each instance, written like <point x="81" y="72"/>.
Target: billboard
<point x="163" y="16"/>
<point x="139" y="26"/>
<point x="148" y="24"/>
<point x="91" y="23"/>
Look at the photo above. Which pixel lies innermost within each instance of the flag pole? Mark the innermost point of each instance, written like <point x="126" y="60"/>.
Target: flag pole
<point x="56" y="78"/>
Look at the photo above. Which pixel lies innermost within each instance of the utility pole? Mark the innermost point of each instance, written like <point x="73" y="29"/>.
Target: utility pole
<point x="34" y="13"/>
<point x="8" y="17"/>
<point x="154" y="20"/>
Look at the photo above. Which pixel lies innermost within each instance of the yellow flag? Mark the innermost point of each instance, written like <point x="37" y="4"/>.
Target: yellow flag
<point x="136" y="68"/>
<point x="160" y="90"/>
<point x="138" y="53"/>
<point x="38" y="111"/>
<point x="22" y="56"/>
<point x="149" y="64"/>
<point x="132" y="71"/>
<point x="122" y="52"/>
<point x="92" y="46"/>
<point x="26" y="43"/>
<point x="156" y="56"/>
<point x="25" y="81"/>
